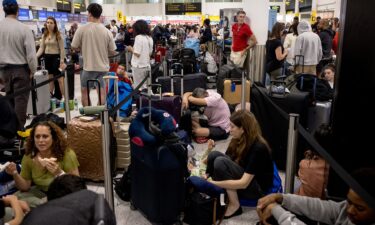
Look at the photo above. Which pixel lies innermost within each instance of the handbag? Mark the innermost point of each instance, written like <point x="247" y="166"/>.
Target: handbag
<point x="313" y="174"/>
<point x="202" y="209"/>
<point x="203" y="205"/>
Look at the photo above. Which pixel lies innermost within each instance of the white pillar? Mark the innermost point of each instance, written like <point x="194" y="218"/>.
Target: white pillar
<point x="2" y="14"/>
<point x="296" y="8"/>
<point x="283" y="10"/>
<point x="164" y="17"/>
<point x="257" y="11"/>
<point x="337" y="9"/>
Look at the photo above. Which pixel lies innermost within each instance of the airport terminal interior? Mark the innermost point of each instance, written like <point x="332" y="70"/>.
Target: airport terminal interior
<point x="186" y="112"/>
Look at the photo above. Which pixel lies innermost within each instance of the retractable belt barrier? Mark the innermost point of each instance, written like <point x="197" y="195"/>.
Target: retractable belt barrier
<point x="332" y="162"/>
<point x="112" y="111"/>
<point x="24" y="90"/>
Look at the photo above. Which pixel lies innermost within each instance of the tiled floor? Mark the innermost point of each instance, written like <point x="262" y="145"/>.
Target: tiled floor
<point x="126" y="216"/>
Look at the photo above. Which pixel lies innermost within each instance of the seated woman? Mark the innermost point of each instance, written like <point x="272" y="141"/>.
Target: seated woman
<point x="46" y="157"/>
<point x="246" y="170"/>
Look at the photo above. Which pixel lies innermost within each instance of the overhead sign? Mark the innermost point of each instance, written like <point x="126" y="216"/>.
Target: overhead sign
<point x="275" y="7"/>
<point x="119" y="15"/>
<point x="182" y="8"/>
<point x="23" y="14"/>
<point x="64" y="5"/>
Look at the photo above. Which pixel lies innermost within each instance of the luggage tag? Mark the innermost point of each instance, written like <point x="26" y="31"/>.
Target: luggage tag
<point x="233" y="87"/>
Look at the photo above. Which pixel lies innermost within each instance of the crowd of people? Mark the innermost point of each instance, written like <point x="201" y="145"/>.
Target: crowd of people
<point x="301" y="48"/>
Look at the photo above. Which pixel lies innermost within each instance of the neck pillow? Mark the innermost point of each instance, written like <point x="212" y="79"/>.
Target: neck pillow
<point x="139" y="131"/>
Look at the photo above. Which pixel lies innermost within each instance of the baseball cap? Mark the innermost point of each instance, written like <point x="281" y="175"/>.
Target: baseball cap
<point x="9" y="2"/>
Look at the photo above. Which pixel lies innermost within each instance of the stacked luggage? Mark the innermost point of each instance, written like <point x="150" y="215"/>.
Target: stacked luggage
<point x="158" y="165"/>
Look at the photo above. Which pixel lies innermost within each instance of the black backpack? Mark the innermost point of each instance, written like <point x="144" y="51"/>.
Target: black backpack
<point x="123" y="185"/>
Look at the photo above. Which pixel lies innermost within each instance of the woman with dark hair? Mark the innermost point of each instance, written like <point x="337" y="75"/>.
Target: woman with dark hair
<point x="206" y="32"/>
<point x="289" y="43"/>
<point x="47" y="156"/>
<point x="52" y="47"/>
<point x="275" y="52"/>
<point x="142" y="50"/>
<point x="246" y="169"/>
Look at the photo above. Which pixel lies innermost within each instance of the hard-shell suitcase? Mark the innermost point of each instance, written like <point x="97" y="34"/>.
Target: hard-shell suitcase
<point x="191" y="81"/>
<point x="233" y="91"/>
<point x="171" y="104"/>
<point x="225" y="72"/>
<point x="85" y="138"/>
<point x="318" y="115"/>
<point x="39" y="100"/>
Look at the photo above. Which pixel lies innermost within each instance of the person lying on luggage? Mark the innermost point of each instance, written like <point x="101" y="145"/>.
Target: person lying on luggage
<point x="46" y="157"/>
<point x="245" y="171"/>
<point x="217" y="112"/>
<point x="354" y="210"/>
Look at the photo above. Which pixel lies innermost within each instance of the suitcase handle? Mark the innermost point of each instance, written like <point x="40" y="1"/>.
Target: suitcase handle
<point x="88" y="90"/>
<point x="182" y="83"/>
<point x="158" y="86"/>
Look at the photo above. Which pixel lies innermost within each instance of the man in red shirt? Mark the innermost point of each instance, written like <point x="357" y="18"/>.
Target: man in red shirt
<point x="240" y="40"/>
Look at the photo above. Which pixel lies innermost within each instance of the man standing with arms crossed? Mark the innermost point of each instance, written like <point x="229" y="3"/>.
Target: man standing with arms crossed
<point x="18" y="60"/>
<point x="96" y="44"/>
<point x="240" y="39"/>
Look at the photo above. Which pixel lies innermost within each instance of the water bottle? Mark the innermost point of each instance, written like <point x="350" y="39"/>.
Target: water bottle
<point x="62" y="105"/>
<point x="75" y="104"/>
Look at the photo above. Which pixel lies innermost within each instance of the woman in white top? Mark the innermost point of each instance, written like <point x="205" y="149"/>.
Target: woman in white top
<point x="142" y="51"/>
<point x="289" y="43"/>
<point x="52" y="46"/>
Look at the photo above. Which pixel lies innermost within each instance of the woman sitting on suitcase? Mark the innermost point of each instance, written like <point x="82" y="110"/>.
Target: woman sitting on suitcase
<point x="246" y="169"/>
<point x="47" y="156"/>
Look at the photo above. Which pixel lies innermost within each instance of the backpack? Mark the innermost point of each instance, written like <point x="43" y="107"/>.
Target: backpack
<point x="123" y="185"/>
<point x="59" y="121"/>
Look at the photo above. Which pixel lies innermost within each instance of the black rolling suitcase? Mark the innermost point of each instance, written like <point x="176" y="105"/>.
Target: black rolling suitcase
<point x="158" y="170"/>
<point x="191" y="81"/>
